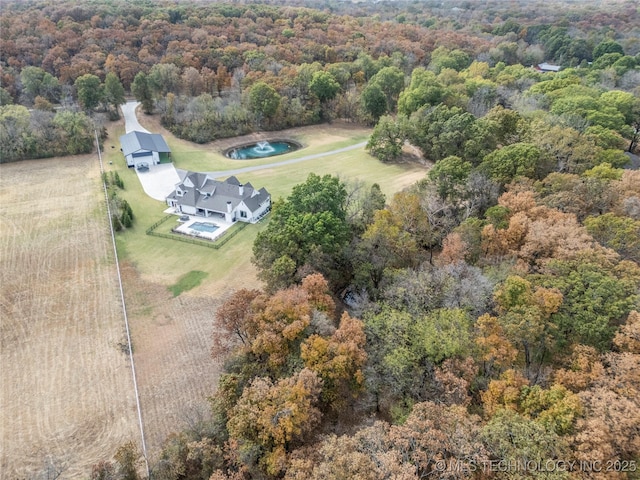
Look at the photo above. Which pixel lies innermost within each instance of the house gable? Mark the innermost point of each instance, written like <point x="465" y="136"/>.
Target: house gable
<point x="198" y="193"/>
<point x="187" y="182"/>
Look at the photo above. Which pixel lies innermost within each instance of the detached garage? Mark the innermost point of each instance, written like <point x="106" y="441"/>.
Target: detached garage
<point x="144" y="149"/>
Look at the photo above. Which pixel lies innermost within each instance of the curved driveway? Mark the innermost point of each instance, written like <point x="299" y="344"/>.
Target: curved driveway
<point x="160" y="180"/>
<point x="130" y="120"/>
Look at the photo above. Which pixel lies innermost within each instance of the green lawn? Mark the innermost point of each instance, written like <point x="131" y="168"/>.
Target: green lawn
<point x="354" y="164"/>
<point x="187" y="282"/>
<point x="207" y="158"/>
<point x="166" y="261"/>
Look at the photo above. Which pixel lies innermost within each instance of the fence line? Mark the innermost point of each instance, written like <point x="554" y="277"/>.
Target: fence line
<point x="182" y="237"/>
<point x="124" y="309"/>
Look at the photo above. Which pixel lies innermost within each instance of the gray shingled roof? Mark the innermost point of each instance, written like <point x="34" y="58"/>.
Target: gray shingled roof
<point x="254" y="202"/>
<point x="135" y="141"/>
<point x="219" y="193"/>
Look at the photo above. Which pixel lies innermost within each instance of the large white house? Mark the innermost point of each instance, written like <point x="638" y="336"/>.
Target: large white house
<point x="199" y="194"/>
<point x="547" y="67"/>
<point x="144" y="149"/>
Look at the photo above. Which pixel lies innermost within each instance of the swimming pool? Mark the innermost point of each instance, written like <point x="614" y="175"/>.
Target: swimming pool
<point x="204" y="227"/>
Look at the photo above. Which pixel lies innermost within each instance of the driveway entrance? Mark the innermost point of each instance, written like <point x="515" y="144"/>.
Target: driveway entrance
<point x="158" y="181"/>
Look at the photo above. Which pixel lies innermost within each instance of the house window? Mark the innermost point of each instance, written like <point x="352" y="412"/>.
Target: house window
<point x="243" y="214"/>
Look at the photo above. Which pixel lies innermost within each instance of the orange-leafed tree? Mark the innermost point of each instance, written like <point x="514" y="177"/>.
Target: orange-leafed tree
<point x="439" y="440"/>
<point x="536" y="233"/>
<point x="582" y="369"/>
<point x="234" y="321"/>
<point x="495" y="349"/>
<point x="503" y="393"/>
<point x="275" y="417"/>
<point x="317" y="289"/>
<point x="281" y="325"/>
<point x="525" y="316"/>
<point x="338" y="360"/>
<point x="627" y="338"/>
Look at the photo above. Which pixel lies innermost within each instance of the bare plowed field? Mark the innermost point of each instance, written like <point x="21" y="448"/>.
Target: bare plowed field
<point x="66" y="392"/>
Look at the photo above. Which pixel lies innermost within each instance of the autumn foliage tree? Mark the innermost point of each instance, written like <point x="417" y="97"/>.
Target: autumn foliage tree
<point x="536" y="233"/>
<point x="338" y="360"/>
<point x="272" y="417"/>
<point x="434" y="439"/>
<point x="609" y="429"/>
<point x="234" y="318"/>
<point x="525" y="315"/>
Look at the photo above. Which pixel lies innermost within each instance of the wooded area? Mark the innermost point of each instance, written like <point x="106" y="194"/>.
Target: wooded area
<point x="487" y="314"/>
<point x="219" y="70"/>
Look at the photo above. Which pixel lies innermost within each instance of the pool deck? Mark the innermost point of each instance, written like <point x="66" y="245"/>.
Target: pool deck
<point x="184" y="227"/>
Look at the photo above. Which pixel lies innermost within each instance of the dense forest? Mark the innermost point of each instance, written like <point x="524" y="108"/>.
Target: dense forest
<point x="222" y="69"/>
<point x="481" y="324"/>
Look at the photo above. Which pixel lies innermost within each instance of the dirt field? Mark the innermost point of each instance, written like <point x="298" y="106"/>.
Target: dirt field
<point x="66" y="391"/>
<point x="172" y="343"/>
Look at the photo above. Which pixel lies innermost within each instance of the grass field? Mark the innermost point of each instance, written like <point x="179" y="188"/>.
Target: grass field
<point x="66" y="391"/>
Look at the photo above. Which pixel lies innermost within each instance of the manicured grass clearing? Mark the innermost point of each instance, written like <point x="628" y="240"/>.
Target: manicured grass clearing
<point x="187" y="282"/>
<point x="164" y="261"/>
<point x="207" y="158"/>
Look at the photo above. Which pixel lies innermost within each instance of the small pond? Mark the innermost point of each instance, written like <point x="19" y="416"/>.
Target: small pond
<point x="262" y="149"/>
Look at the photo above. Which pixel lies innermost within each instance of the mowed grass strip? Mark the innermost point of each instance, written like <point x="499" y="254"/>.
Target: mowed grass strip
<point x="165" y="261"/>
<point x="187" y="282"/>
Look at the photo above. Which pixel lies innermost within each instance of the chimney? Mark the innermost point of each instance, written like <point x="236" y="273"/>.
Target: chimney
<point x="228" y="207"/>
<point x="241" y="189"/>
